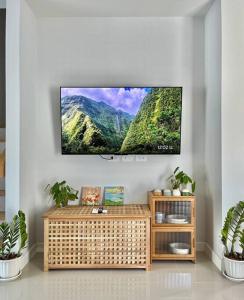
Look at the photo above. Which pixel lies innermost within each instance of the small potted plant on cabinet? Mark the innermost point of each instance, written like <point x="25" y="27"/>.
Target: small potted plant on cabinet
<point x="181" y="179"/>
<point x="13" y="235"/>
<point x="62" y="193"/>
<point x="175" y="184"/>
<point x="232" y="236"/>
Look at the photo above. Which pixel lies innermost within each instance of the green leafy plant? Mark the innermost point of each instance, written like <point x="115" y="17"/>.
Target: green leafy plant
<point x="175" y="184"/>
<point x="241" y="236"/>
<point x="61" y="193"/>
<point x="10" y="234"/>
<point x="179" y="178"/>
<point x="232" y="231"/>
<point x="23" y="232"/>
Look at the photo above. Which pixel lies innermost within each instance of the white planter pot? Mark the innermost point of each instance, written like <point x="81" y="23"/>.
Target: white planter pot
<point x="75" y="202"/>
<point x="234" y="268"/>
<point x="176" y="193"/>
<point x="10" y="268"/>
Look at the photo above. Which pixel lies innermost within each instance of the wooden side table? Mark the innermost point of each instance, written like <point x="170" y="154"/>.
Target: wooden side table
<point x="76" y="238"/>
<point x="165" y="234"/>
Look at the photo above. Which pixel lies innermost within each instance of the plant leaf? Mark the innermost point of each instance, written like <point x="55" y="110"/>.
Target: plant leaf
<point x="176" y="169"/>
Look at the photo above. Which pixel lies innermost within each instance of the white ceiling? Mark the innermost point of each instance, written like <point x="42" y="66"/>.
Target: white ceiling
<point x="119" y="8"/>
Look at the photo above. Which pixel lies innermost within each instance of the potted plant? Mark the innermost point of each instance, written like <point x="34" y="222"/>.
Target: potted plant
<point x="175" y="184"/>
<point x="62" y="193"/>
<point x="232" y="237"/>
<point x="13" y="235"/>
<point x="181" y="179"/>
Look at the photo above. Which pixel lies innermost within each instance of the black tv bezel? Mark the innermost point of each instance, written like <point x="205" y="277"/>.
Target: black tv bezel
<point x="120" y="154"/>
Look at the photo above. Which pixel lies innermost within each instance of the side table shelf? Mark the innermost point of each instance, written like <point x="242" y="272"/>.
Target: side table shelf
<point x="167" y="232"/>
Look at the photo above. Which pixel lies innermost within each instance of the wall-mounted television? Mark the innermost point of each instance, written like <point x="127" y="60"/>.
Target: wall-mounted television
<point x="121" y="120"/>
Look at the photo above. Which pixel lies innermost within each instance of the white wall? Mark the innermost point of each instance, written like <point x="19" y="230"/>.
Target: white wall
<point x="232" y="102"/>
<point x="110" y="52"/>
<point x="213" y="127"/>
<point x="28" y="135"/>
<point x="198" y="122"/>
<point x="126" y="51"/>
<point x="12" y="203"/>
<point x="2" y="68"/>
<point x="21" y="80"/>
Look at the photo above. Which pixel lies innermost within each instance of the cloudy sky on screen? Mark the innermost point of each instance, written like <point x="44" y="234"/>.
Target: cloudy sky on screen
<point x="126" y="99"/>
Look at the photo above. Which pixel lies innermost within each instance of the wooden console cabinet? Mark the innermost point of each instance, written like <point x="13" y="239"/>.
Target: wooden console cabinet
<point x="76" y="238"/>
<point x="164" y="234"/>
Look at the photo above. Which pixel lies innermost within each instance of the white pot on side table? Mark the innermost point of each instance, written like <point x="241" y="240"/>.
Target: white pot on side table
<point x="176" y="192"/>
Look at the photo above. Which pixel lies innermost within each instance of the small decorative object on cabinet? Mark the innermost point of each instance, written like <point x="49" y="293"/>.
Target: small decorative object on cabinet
<point x="232" y="236"/>
<point x="91" y="195"/>
<point x="157" y="192"/>
<point x="76" y="238"/>
<point x="10" y="259"/>
<point x="167" y="192"/>
<point x="176" y="192"/>
<point x="159" y="217"/>
<point x="174" y="237"/>
<point x="185" y="192"/>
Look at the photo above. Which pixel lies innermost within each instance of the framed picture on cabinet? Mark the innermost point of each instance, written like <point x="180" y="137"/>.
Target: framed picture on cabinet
<point x="113" y="195"/>
<point x="91" y="195"/>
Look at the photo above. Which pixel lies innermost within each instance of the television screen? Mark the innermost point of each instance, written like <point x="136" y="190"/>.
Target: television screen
<point x="122" y="120"/>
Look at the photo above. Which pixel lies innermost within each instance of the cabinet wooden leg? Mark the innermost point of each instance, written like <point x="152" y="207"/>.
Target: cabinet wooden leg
<point x="45" y="258"/>
<point x="45" y="269"/>
<point x="148" y="268"/>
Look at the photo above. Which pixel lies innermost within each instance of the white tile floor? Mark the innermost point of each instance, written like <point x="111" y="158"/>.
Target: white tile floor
<point x="167" y="280"/>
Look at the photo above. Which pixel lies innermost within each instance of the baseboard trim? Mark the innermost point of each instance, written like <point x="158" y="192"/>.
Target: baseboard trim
<point x="217" y="261"/>
<point x="39" y="247"/>
<point x="201" y="246"/>
<point x="27" y="255"/>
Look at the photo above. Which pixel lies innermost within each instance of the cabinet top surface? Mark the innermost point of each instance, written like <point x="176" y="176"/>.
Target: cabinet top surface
<point x="132" y="211"/>
<point x="178" y="198"/>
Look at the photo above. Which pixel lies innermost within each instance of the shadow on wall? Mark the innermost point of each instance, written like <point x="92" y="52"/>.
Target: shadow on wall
<point x="56" y="124"/>
<point x="209" y="215"/>
<point x="198" y="122"/>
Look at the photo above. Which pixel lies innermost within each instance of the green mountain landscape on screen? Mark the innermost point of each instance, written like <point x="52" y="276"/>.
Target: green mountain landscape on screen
<point x="94" y="127"/>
